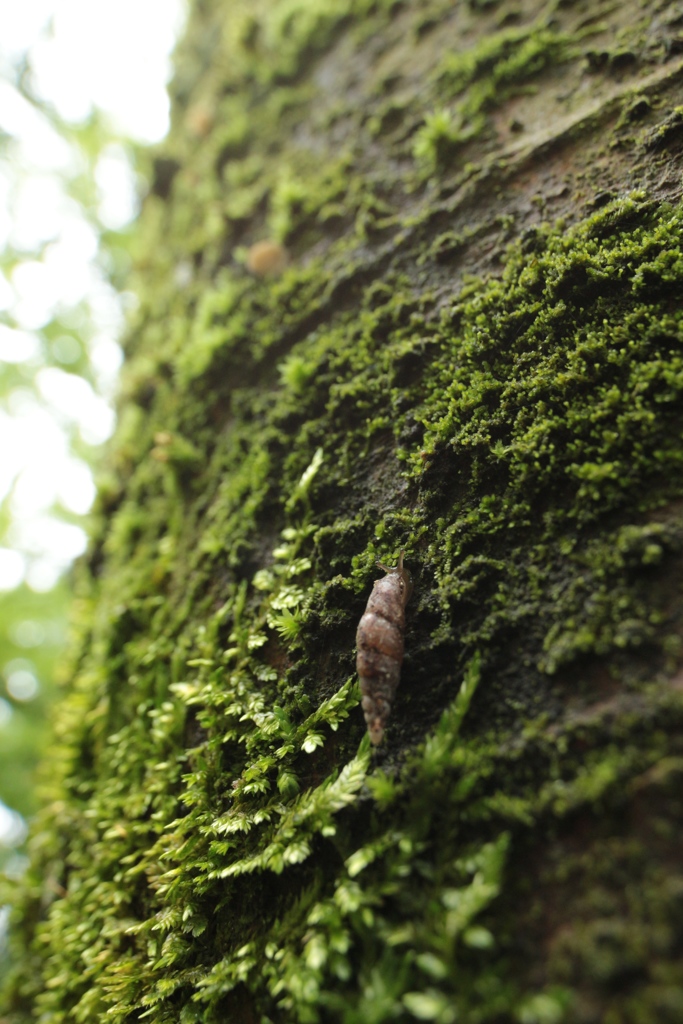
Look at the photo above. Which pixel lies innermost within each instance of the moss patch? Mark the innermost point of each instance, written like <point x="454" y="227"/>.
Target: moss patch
<point x="473" y="364"/>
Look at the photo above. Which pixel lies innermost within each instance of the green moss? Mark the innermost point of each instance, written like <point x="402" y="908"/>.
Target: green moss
<point x="221" y="842"/>
<point x="480" y="79"/>
<point x="438" y="139"/>
<point x="499" y="61"/>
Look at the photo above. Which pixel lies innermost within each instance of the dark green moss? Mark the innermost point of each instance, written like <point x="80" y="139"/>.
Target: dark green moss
<point x="437" y="369"/>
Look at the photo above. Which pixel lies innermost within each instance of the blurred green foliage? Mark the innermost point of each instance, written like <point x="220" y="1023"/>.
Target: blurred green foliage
<point x="32" y="630"/>
<point x="33" y="621"/>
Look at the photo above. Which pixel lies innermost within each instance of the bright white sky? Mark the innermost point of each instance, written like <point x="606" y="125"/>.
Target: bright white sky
<point x="84" y="54"/>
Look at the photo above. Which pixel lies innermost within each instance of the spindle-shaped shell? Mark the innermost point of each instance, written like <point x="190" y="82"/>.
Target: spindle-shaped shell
<point x="379" y="639"/>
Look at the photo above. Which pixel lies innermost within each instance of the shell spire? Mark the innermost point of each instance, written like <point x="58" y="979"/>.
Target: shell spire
<point x="379" y="639"/>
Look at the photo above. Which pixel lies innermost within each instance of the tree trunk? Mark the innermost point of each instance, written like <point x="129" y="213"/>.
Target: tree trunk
<point x="409" y="278"/>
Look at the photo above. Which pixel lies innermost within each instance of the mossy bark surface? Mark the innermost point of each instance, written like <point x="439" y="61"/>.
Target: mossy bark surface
<point x="474" y="353"/>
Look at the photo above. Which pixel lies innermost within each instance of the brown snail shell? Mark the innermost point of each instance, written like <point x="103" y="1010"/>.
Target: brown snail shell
<point x="379" y="640"/>
<point x="267" y="258"/>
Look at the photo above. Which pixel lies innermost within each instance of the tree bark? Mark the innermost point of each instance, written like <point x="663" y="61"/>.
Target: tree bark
<point x="409" y="277"/>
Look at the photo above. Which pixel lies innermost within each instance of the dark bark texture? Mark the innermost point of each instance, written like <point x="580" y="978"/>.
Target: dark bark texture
<point x="464" y="338"/>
